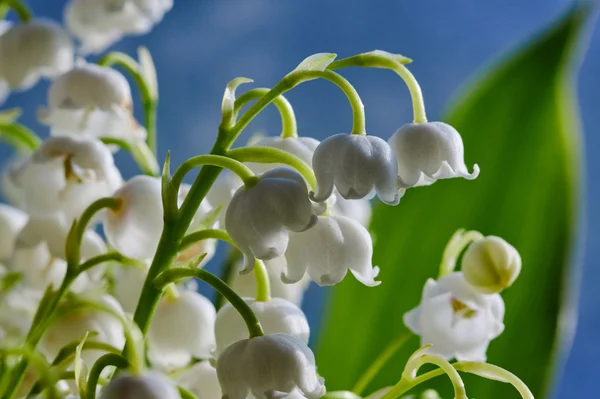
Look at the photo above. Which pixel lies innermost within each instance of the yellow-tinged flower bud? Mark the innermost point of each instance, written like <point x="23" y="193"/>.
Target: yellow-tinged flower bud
<point x="491" y="264"/>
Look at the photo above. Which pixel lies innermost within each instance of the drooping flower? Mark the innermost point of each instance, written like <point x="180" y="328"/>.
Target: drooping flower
<point x="302" y="147"/>
<point x="11" y="192"/>
<point x="150" y="385"/>
<point x="259" y="218"/>
<point x="222" y="191"/>
<point x="28" y="52"/>
<point x="356" y="165"/>
<point x="12" y="220"/>
<point x="456" y="319"/>
<point x="91" y="101"/>
<point x="359" y="210"/>
<point x="182" y="328"/>
<point x="329" y="250"/>
<point x="100" y="23"/>
<point x="127" y="284"/>
<point x="491" y="264"/>
<point x="65" y="175"/>
<point x="427" y="152"/>
<point x="245" y="284"/>
<point x="201" y="380"/>
<point x="277" y="316"/>
<point x="268" y="367"/>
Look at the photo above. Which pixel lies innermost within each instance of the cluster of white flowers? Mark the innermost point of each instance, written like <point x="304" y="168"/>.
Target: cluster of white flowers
<point x="294" y="210"/>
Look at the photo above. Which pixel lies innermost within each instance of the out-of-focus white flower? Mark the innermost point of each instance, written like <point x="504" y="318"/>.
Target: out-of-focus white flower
<point x="245" y="284"/>
<point x="427" y="152"/>
<point x="28" y="52"/>
<point x="201" y="380"/>
<point x="100" y="23"/>
<point x="74" y="325"/>
<point x="66" y="174"/>
<point x="259" y="219"/>
<point x="127" y="284"/>
<point x="359" y="210"/>
<point x="222" y="191"/>
<point x="134" y="228"/>
<point x="150" y="385"/>
<point x="491" y="264"/>
<point x="356" y="165"/>
<point x="329" y="250"/>
<point x="456" y="319"/>
<point x="92" y="101"/>
<point x="12" y="220"/>
<point x="11" y="192"/>
<point x="182" y="328"/>
<point x="268" y="367"/>
<point x="18" y="305"/>
<point x="276" y="316"/>
<point x="302" y="147"/>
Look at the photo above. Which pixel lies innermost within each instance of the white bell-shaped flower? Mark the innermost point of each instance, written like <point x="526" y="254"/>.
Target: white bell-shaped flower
<point x="127" y="284"/>
<point x="456" y="319"/>
<point x="100" y="23"/>
<point x="93" y="101"/>
<point x="201" y="380"/>
<point x="245" y="284"/>
<point x="356" y="165"/>
<point x="275" y="315"/>
<point x="268" y="367"/>
<point x="491" y="264"/>
<point x="74" y="325"/>
<point x="302" y="147"/>
<point x="427" y="152"/>
<point x="10" y="190"/>
<point x="182" y="328"/>
<point x="359" y="210"/>
<point x="329" y="250"/>
<point x="12" y="221"/>
<point x="222" y="191"/>
<point x="66" y="174"/>
<point x="17" y="309"/>
<point x="150" y="385"/>
<point x="28" y="52"/>
<point x="259" y="219"/>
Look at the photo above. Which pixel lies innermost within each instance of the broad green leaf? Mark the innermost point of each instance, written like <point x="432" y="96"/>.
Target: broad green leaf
<point x="519" y="124"/>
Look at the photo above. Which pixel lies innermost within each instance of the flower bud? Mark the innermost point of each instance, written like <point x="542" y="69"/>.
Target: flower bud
<point x="276" y="316"/>
<point x="268" y="366"/>
<point x="491" y="264"/>
<point x="182" y="327"/>
<point x="150" y="385"/>
<point x="260" y="218"/>
<point x="329" y="250"/>
<point x="356" y="165"/>
<point x="427" y="152"/>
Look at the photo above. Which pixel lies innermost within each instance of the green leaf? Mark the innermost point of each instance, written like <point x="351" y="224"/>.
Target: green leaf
<point x="315" y="62"/>
<point x="520" y="125"/>
<point x="148" y="71"/>
<point x="228" y="103"/>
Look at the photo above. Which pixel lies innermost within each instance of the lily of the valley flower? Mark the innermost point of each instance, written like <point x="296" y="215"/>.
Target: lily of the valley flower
<point x="66" y="174"/>
<point x="491" y="264"/>
<point x="359" y="210"/>
<point x="150" y="385"/>
<point x="356" y="165"/>
<point x="427" y="152"/>
<point x="182" y="328"/>
<point x="100" y="23"/>
<point x="302" y="147"/>
<point x="456" y="319"/>
<point x="127" y="284"/>
<point x="222" y="191"/>
<point x="268" y="367"/>
<point x="12" y="220"/>
<point x="276" y="316"/>
<point x="201" y="380"/>
<point x="92" y="101"/>
<point x="259" y="218"/>
<point x="245" y="284"/>
<point x="329" y="250"/>
<point x="40" y="48"/>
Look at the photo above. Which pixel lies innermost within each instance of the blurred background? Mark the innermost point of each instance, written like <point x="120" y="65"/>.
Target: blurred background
<point x="202" y="44"/>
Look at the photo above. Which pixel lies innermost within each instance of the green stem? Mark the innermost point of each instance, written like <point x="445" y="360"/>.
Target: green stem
<point x="173" y="275"/>
<point x="446" y="367"/>
<point x="38" y="386"/>
<point x="185" y="394"/>
<point x="109" y="359"/>
<point x="378" y="364"/>
<point x="274" y="155"/>
<point x="20" y="8"/>
<point x="41" y="366"/>
<point x="288" y="118"/>
<point x="221" y="161"/>
<point x="263" y="286"/>
<point x="196" y="236"/>
<point x="107" y="257"/>
<point x="141" y="153"/>
<point x="227" y="271"/>
<point x="19" y="136"/>
<point x="370" y="60"/>
<point x="459" y="241"/>
<point x="67" y="353"/>
<point x="149" y="101"/>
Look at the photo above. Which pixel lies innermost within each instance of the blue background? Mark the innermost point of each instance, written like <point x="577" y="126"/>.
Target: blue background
<point x="201" y="45"/>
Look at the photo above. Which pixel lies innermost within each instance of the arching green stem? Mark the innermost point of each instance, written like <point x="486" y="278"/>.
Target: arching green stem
<point x="214" y="160"/>
<point x="104" y="361"/>
<point x="41" y="366"/>
<point x="196" y="236"/>
<point x="459" y="241"/>
<point x="141" y="153"/>
<point x="263" y="285"/>
<point x="288" y="118"/>
<point x="107" y="257"/>
<point x="274" y="155"/>
<point x="173" y="275"/>
<point x="19" y="136"/>
<point x="19" y="7"/>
